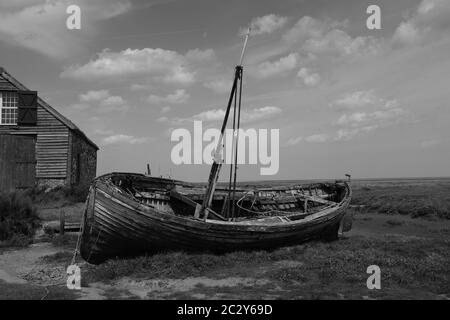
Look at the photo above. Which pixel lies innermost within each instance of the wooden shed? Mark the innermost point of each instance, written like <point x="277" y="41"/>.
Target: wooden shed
<point x="38" y="145"/>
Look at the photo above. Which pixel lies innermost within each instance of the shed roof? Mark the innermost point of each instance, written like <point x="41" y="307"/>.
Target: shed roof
<point x="17" y="85"/>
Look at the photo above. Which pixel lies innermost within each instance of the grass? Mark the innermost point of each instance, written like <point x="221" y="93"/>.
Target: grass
<point x="67" y="240"/>
<point x="429" y="200"/>
<point x="394" y="223"/>
<point x="18" y="219"/>
<point x="411" y="267"/>
<point x="415" y="264"/>
<point x="59" y="257"/>
<point x="13" y="291"/>
<point x="60" y="196"/>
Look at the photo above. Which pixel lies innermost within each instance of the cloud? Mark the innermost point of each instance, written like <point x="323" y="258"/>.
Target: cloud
<point x="123" y="138"/>
<point x="356" y="99"/>
<point x="161" y="65"/>
<point x="94" y="95"/>
<point x="430" y="143"/>
<point x="200" y="55"/>
<point x="79" y="106"/>
<point x="163" y="119"/>
<point x="309" y="28"/>
<point x="178" y="97"/>
<point x="362" y="99"/>
<point x="212" y="115"/>
<point x="326" y="37"/>
<point x="41" y="25"/>
<point x="427" y="23"/>
<point x="311" y="42"/>
<point x="317" y="138"/>
<point x="103" y="132"/>
<point x="407" y="33"/>
<point x="165" y="109"/>
<point x="103" y="100"/>
<point x="113" y="103"/>
<point x="265" y="24"/>
<point x="276" y="68"/>
<point x="363" y="122"/>
<point x="139" y="87"/>
<point x="293" y="141"/>
<point x="14" y="5"/>
<point x="308" y="78"/>
<point x="253" y="115"/>
<point x="348" y="134"/>
<point x="339" y="135"/>
<point x="373" y="113"/>
<point x="219" y="86"/>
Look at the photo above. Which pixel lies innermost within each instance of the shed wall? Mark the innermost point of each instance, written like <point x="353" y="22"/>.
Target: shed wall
<point x="82" y="161"/>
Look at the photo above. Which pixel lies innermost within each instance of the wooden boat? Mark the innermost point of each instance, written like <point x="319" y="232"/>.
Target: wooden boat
<point x="131" y="214"/>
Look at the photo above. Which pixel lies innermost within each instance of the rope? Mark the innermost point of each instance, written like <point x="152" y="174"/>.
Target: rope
<point x="95" y="243"/>
<point x="256" y="212"/>
<point x="80" y="231"/>
<point x="77" y="248"/>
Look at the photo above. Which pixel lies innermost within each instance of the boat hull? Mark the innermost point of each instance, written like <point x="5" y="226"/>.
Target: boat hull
<point x="114" y="226"/>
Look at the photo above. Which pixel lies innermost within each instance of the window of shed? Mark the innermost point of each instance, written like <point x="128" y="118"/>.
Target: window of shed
<point x="8" y="107"/>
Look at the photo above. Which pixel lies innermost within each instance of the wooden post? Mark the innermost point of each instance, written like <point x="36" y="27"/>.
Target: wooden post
<point x="306" y="205"/>
<point x="62" y="222"/>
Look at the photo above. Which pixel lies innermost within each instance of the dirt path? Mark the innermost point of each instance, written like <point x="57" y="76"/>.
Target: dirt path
<point x="16" y="264"/>
<point x="25" y="266"/>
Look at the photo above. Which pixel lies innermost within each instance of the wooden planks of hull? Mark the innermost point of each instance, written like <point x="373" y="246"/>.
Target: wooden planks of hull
<point x="118" y="224"/>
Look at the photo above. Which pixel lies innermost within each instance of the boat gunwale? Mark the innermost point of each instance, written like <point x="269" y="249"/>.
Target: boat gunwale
<point x="126" y="201"/>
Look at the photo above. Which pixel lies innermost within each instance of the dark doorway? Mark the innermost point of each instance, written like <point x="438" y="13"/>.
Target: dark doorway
<point x="17" y="161"/>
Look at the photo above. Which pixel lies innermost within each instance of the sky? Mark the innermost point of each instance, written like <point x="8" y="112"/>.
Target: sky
<point x="346" y="99"/>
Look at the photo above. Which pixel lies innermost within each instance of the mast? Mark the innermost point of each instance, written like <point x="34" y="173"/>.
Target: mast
<point x="218" y="157"/>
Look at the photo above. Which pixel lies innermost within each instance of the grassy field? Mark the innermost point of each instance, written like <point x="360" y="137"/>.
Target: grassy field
<point x="429" y="198"/>
<point x="312" y="271"/>
<point x="402" y="226"/>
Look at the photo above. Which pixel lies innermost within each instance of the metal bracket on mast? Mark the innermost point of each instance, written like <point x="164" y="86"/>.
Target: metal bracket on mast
<point x="217" y="161"/>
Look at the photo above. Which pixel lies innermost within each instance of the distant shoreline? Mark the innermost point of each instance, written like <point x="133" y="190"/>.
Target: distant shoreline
<point x="333" y="179"/>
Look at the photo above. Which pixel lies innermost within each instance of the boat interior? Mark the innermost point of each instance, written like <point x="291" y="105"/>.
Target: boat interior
<point x="287" y="203"/>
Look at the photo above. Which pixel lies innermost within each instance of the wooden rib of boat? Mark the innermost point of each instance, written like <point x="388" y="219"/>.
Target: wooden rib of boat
<point x="131" y="214"/>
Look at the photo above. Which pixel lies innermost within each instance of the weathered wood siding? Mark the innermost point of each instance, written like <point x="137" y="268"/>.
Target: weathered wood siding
<point x="52" y="147"/>
<point x="52" y="144"/>
<point x="52" y="141"/>
<point x="82" y="162"/>
<point x="63" y="154"/>
<point x="6" y="85"/>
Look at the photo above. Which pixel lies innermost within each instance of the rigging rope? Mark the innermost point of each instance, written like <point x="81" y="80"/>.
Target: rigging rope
<point x="80" y="232"/>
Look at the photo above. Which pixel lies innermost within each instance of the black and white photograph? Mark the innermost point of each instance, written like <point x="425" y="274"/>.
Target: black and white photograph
<point x="236" y="152"/>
